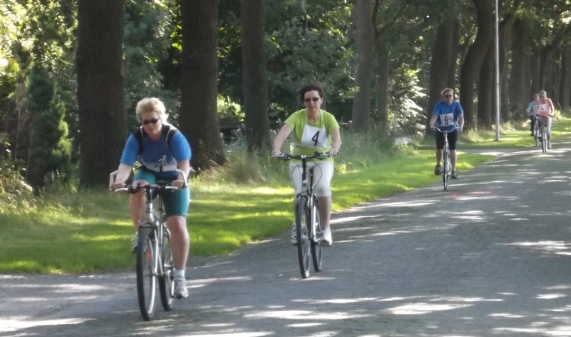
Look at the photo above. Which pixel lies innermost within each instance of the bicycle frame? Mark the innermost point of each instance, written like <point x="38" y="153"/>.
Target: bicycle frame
<point x="307" y="217"/>
<point x="446" y="158"/>
<point x="153" y="228"/>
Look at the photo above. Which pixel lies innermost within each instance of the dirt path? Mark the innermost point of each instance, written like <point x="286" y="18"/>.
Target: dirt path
<point x="490" y="257"/>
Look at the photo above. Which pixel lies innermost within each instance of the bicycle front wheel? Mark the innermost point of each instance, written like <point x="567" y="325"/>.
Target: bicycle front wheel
<point x="544" y="140"/>
<point x="317" y="237"/>
<point x="166" y="280"/>
<point x="146" y="273"/>
<point x="301" y="223"/>
<point x="535" y="136"/>
<point x="445" y="170"/>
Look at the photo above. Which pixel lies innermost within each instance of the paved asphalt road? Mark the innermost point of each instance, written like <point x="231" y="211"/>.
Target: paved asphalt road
<point x="491" y="257"/>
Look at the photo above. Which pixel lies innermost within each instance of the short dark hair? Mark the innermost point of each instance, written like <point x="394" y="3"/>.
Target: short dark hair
<point x="315" y="86"/>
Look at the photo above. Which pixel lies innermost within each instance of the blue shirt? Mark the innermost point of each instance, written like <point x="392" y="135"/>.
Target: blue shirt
<point x="157" y="156"/>
<point x="447" y="115"/>
<point x="530" y="108"/>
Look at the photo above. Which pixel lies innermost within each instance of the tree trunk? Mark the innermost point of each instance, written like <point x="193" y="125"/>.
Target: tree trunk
<point x="486" y="90"/>
<point x="474" y="58"/>
<point x="199" y="70"/>
<point x="440" y="65"/>
<point x="555" y="77"/>
<point x="254" y="76"/>
<point x="545" y="67"/>
<point x="365" y="40"/>
<point x="505" y="36"/>
<point x="519" y="74"/>
<point x="382" y="85"/>
<point x="102" y="118"/>
<point x="564" y="86"/>
<point x="535" y="62"/>
<point x="454" y="55"/>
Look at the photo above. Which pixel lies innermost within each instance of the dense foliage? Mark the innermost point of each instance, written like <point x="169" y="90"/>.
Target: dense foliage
<point x="304" y="41"/>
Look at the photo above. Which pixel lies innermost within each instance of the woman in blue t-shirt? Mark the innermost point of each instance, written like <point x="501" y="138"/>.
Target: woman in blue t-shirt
<point x="159" y="160"/>
<point x="447" y="116"/>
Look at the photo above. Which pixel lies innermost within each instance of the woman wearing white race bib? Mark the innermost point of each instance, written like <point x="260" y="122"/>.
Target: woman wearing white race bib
<point x="447" y="116"/>
<point x="544" y="108"/>
<point x="312" y="130"/>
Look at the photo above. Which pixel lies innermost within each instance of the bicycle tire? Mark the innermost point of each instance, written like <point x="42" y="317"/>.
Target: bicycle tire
<point x="166" y="279"/>
<point x="544" y="142"/>
<point x="146" y="274"/>
<point x="535" y="137"/>
<point x="303" y="244"/>
<point x="317" y="239"/>
<point x="445" y="168"/>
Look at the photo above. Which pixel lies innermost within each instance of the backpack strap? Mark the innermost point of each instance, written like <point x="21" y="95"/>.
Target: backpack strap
<point x="168" y="131"/>
<point x="138" y="133"/>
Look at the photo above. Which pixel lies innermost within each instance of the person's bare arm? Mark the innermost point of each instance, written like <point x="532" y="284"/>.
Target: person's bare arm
<point x="123" y="173"/>
<point x="279" y="140"/>
<point x="432" y="121"/>
<point x="336" y="138"/>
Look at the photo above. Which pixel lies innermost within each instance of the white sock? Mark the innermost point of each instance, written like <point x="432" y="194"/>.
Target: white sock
<point x="179" y="273"/>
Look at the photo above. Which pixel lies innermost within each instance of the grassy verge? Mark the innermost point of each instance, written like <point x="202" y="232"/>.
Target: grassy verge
<point x="90" y="231"/>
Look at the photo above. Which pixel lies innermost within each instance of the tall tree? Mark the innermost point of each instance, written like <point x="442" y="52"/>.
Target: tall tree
<point x="50" y="151"/>
<point x="442" y="57"/>
<point x="364" y="47"/>
<point x="474" y="58"/>
<point x="254" y="75"/>
<point x="520" y="75"/>
<point x="100" y="88"/>
<point x="199" y="69"/>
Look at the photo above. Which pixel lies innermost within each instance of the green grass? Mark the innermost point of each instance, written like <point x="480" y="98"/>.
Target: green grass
<point x="247" y="200"/>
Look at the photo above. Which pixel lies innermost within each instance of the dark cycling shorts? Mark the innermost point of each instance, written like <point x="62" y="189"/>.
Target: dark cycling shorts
<point x="176" y="202"/>
<point x="452" y="139"/>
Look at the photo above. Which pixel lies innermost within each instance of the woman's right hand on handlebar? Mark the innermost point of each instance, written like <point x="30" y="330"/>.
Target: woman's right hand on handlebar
<point x="117" y="185"/>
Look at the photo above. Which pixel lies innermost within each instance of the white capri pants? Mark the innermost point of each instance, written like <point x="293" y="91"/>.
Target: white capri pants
<point x="322" y="174"/>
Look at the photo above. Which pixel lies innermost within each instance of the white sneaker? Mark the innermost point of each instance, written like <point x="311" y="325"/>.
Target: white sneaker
<point x="327" y="238"/>
<point x="294" y="234"/>
<point x="180" y="288"/>
<point x="549" y="145"/>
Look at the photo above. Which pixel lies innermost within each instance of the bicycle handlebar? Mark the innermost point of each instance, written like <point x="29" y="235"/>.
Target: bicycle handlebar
<point x="132" y="189"/>
<point x="135" y="188"/>
<point x="317" y="155"/>
<point x="438" y="129"/>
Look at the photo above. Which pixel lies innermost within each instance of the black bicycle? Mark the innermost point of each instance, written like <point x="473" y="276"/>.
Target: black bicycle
<point x="307" y="219"/>
<point x="153" y="254"/>
<point x="446" y="164"/>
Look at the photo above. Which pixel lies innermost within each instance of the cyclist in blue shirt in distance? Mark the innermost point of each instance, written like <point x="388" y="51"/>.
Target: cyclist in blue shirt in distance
<point x="531" y="112"/>
<point x="447" y="116"/>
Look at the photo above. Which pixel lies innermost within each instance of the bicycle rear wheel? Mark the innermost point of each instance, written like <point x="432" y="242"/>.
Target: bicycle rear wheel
<point x="146" y="273"/>
<point x="166" y="280"/>
<point x="544" y="140"/>
<point x="316" y="238"/>
<point x="301" y="223"/>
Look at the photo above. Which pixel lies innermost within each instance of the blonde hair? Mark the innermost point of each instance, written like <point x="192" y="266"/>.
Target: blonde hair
<point x="543" y="93"/>
<point x="151" y="104"/>
<point x="447" y="90"/>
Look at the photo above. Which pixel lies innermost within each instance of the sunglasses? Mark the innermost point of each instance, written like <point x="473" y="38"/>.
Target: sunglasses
<point x="447" y="95"/>
<point x="152" y="121"/>
<point x="307" y="100"/>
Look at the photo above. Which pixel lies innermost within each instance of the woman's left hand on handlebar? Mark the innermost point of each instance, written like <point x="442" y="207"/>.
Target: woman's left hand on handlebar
<point x="334" y="151"/>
